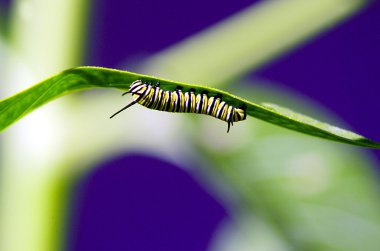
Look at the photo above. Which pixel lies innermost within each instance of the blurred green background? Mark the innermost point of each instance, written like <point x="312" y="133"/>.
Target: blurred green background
<point x="71" y="179"/>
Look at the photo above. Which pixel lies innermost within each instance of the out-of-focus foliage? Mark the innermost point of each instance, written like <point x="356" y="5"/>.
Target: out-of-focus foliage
<point x="319" y="195"/>
<point x="286" y="191"/>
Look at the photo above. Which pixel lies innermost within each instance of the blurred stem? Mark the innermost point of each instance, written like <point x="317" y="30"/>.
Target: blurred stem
<point x="49" y="34"/>
<point x="248" y="39"/>
<point x="46" y="36"/>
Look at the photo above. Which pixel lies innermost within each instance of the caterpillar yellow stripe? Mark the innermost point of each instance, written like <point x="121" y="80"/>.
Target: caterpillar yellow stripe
<point x="153" y="97"/>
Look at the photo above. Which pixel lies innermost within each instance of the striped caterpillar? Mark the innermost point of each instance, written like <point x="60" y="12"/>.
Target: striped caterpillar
<point x="153" y="97"/>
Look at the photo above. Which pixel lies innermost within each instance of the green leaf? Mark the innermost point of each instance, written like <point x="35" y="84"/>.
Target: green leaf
<point x="82" y="78"/>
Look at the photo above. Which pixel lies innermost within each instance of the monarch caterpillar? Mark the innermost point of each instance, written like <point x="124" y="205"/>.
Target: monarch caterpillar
<point x="153" y="97"/>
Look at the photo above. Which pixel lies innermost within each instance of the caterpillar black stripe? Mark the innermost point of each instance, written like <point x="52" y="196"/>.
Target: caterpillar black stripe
<point x="153" y="97"/>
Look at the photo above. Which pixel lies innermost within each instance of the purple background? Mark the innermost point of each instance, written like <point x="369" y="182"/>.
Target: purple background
<point x="128" y="205"/>
<point x="139" y="203"/>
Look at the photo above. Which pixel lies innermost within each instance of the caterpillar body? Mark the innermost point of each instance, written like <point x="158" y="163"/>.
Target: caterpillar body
<point x="153" y="97"/>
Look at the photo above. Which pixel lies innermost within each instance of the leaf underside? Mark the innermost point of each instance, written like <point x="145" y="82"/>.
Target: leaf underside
<point x="82" y="78"/>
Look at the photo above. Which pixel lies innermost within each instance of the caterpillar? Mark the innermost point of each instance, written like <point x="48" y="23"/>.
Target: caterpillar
<point x="153" y="97"/>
